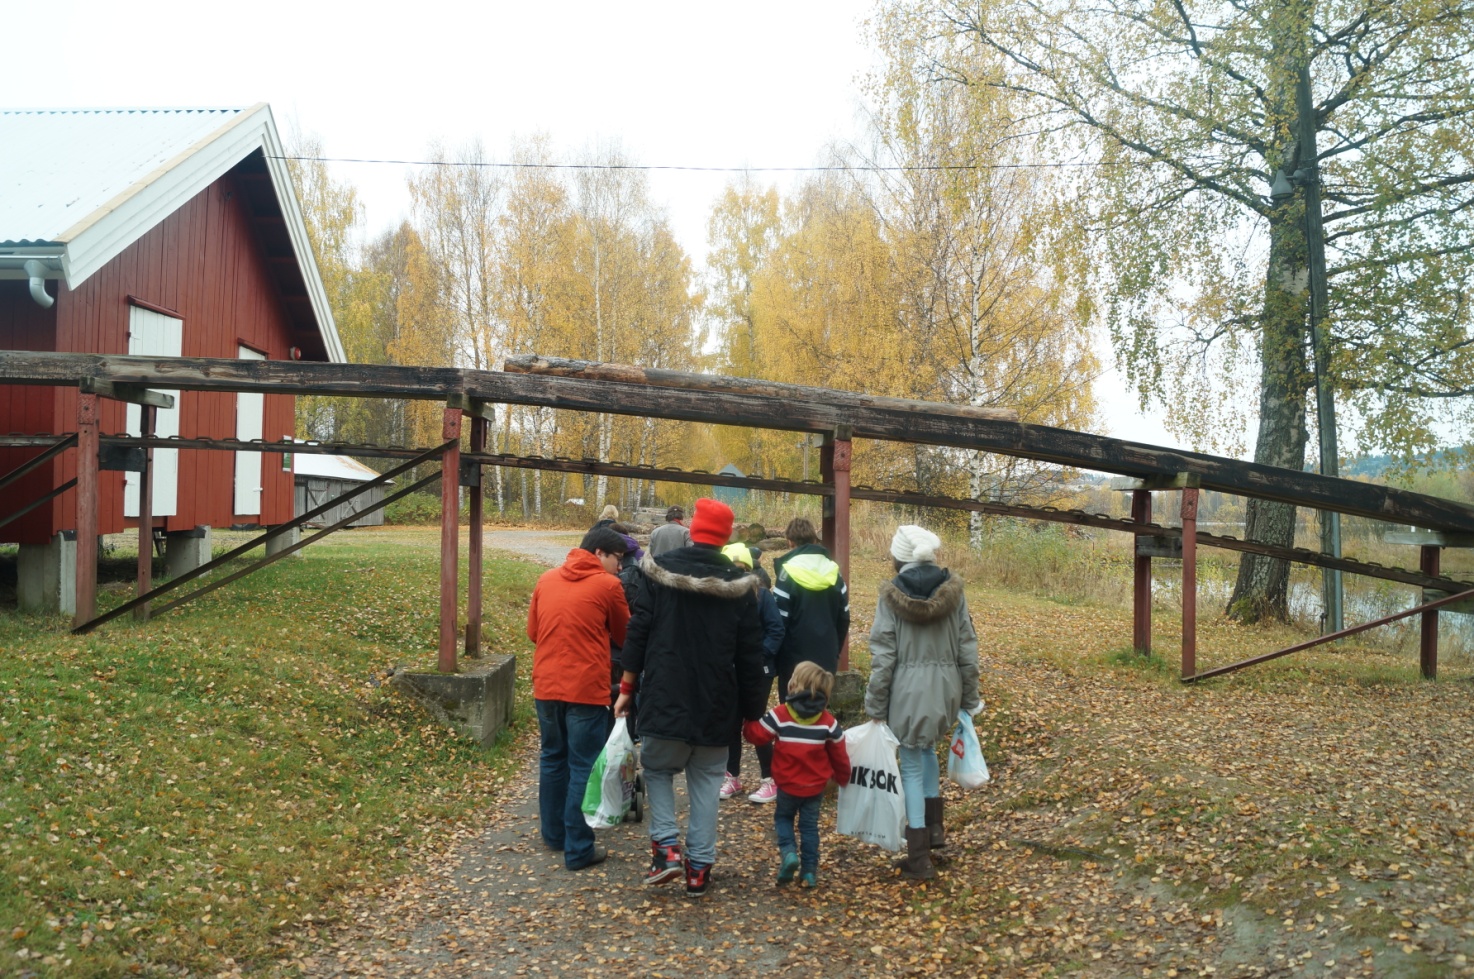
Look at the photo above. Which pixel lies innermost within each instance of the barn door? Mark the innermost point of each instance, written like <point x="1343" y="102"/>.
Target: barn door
<point x="250" y="411"/>
<point x="152" y="334"/>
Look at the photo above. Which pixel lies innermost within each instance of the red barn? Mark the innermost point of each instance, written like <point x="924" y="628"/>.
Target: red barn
<point x="168" y="232"/>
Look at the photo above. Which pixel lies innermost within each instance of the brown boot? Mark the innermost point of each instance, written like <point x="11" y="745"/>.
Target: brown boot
<point x="917" y="865"/>
<point x="934" y="823"/>
<point x="938" y="835"/>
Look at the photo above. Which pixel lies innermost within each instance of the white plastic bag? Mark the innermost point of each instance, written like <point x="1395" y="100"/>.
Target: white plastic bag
<point x="965" y="764"/>
<point x="611" y="788"/>
<point x="871" y="807"/>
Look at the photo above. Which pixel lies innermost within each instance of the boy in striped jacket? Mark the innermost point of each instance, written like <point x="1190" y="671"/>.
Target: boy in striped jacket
<point x="808" y="751"/>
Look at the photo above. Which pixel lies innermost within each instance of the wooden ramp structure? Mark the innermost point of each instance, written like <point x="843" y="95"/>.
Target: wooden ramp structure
<point x="839" y="417"/>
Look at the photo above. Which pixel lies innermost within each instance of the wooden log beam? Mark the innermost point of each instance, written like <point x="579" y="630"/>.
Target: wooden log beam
<point x="743" y="386"/>
<point x="131" y="393"/>
<point x="1055" y="445"/>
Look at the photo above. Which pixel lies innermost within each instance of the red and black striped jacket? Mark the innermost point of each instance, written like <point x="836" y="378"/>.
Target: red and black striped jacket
<point x="806" y="755"/>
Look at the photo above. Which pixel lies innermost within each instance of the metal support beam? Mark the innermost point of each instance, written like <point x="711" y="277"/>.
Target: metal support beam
<point x="826" y="505"/>
<point x="1429" y="559"/>
<point x="148" y="414"/>
<point x="52" y="452"/>
<point x="87" y="493"/>
<point x="1189" y="581"/>
<point x="1423" y="609"/>
<point x="41" y="502"/>
<point x="474" y="547"/>
<point x="450" y="532"/>
<point x="294" y="548"/>
<point x="838" y="536"/>
<point x="1141" y="578"/>
<point x="236" y="552"/>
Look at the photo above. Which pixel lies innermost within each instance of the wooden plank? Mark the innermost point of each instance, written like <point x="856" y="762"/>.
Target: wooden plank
<point x="130" y="393"/>
<point x="1077" y="449"/>
<point x="745" y="386"/>
<point x="1173" y="482"/>
<point x="1427" y="538"/>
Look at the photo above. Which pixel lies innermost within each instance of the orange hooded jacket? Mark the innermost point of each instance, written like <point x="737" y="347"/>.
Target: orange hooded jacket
<point x="577" y="610"/>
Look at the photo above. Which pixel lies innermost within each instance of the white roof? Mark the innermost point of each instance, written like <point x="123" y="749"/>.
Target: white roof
<point x="84" y="184"/>
<point x="331" y="467"/>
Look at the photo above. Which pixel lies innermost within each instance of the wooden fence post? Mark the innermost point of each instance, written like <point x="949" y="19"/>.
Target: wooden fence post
<point x="88" y="444"/>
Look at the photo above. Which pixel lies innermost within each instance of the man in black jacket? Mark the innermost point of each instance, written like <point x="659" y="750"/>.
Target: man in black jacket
<point x="695" y="648"/>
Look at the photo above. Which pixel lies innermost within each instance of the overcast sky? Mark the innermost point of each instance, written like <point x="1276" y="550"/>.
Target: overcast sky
<point x="756" y="84"/>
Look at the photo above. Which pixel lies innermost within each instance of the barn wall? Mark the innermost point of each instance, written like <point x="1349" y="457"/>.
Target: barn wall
<point x="25" y="410"/>
<point x="204" y="264"/>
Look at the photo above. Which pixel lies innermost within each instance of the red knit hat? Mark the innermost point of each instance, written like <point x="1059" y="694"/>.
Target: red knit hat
<point x="712" y="523"/>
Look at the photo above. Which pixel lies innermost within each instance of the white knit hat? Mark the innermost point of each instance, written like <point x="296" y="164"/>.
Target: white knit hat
<point x="913" y="543"/>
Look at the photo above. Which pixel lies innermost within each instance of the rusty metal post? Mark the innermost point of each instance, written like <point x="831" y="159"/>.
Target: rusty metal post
<point x="1189" y="581"/>
<point x="1428" y="562"/>
<point x="839" y="467"/>
<point x="826" y="503"/>
<point x="479" y="427"/>
<point x="88" y="444"/>
<point x="1141" y="584"/>
<point x="450" y="533"/>
<point x="148" y="415"/>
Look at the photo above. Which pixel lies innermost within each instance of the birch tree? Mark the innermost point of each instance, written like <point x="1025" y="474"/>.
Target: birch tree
<point x="1185" y="110"/>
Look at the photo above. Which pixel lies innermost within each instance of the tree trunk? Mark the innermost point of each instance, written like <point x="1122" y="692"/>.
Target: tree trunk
<point x="1262" y="589"/>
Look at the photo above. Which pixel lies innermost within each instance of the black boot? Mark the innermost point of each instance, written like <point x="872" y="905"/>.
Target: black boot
<point x="917" y="865"/>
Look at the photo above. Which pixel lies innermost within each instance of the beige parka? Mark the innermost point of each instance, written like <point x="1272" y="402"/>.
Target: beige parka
<point x="923" y="655"/>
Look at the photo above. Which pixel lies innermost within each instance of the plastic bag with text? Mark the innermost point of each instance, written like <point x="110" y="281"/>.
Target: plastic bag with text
<point x="871" y="807"/>
<point x="611" y="788"/>
<point x="965" y="764"/>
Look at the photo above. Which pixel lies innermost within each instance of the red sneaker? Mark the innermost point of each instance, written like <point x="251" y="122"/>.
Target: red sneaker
<point x="665" y="863"/>
<point x="697" y="880"/>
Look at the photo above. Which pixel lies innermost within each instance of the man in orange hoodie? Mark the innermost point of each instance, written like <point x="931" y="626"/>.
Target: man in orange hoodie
<point x="577" y="610"/>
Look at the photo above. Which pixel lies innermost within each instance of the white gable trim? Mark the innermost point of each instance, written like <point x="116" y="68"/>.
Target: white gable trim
<point x="103" y="235"/>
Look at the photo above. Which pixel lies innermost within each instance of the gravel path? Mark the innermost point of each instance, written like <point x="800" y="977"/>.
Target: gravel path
<point x="542" y="546"/>
<point x="501" y="904"/>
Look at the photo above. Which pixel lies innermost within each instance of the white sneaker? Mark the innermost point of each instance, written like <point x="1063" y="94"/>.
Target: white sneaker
<point x="731" y="785"/>
<point x="766" y="792"/>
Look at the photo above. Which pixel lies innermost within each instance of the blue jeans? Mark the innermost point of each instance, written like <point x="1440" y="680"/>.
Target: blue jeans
<point x="920" y="780"/>
<point x="807" y="811"/>
<point x="572" y="737"/>
<point x="704" y="766"/>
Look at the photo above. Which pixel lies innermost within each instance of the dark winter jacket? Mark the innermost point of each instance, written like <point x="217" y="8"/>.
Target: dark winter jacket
<point x="696" y="638"/>
<point x="923" y="655"/>
<point x="772" y="628"/>
<point x="815" y="604"/>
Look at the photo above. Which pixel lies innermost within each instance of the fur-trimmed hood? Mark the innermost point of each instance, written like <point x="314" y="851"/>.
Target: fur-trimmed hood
<point x="922" y="607"/>
<point x="701" y="570"/>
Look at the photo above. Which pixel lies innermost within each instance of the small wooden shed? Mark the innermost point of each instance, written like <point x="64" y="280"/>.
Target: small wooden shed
<point x="323" y="478"/>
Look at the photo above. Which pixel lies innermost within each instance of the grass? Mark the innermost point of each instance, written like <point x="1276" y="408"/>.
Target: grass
<point x="184" y="794"/>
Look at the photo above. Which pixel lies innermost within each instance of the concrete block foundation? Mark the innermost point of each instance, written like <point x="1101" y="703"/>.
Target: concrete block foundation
<point x="46" y="576"/>
<point x="476" y="704"/>
<point x="185" y="550"/>
<point x="848" y="702"/>
<point x="281" y="542"/>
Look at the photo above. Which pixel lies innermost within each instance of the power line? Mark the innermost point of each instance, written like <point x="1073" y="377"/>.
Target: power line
<point x="691" y="169"/>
